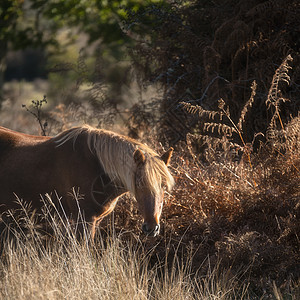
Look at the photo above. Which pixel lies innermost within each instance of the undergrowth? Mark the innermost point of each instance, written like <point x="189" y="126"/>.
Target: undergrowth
<point x="224" y="46"/>
<point x="36" y="265"/>
<point x="238" y="202"/>
<point x="230" y="227"/>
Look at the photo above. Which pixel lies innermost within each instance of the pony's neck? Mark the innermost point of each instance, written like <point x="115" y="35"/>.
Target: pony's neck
<point x="115" y="154"/>
<point x="113" y="151"/>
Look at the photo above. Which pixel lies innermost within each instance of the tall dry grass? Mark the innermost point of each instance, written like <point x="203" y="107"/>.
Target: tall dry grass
<point x="58" y="266"/>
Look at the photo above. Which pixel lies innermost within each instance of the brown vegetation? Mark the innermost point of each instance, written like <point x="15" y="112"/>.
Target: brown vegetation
<point x="203" y="51"/>
<point x="238" y="207"/>
<point x="232" y="219"/>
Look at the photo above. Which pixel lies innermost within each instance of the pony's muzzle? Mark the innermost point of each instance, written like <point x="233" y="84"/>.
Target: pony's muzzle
<point x="151" y="231"/>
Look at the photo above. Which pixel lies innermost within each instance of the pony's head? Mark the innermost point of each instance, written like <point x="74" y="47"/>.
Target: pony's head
<point x="152" y="177"/>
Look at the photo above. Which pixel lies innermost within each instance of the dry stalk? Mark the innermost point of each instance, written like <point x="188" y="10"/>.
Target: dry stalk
<point x="248" y="105"/>
<point x="197" y="109"/>
<point x="274" y="96"/>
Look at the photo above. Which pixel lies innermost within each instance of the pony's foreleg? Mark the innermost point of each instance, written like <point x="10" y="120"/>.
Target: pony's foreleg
<point x="93" y="226"/>
<point x="106" y="210"/>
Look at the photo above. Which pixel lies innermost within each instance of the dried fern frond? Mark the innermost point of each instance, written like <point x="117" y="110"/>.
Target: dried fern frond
<point x="248" y="104"/>
<point x="214" y="142"/>
<point x="220" y="128"/>
<point x="292" y="144"/>
<point x="274" y="96"/>
<point x="287" y="139"/>
<point x="281" y="74"/>
<point x="264" y="7"/>
<point x="213" y="148"/>
<point x="197" y="109"/>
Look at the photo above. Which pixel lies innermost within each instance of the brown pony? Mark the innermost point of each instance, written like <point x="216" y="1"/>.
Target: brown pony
<point x="102" y="164"/>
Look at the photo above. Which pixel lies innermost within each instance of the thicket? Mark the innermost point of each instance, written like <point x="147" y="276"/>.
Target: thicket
<point x="230" y="74"/>
<point x="237" y="206"/>
<point x="201" y="51"/>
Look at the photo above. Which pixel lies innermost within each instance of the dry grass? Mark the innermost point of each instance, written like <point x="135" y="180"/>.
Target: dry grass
<point x="59" y="267"/>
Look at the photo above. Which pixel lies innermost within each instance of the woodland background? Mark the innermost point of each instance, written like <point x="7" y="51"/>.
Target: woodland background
<point x="217" y="80"/>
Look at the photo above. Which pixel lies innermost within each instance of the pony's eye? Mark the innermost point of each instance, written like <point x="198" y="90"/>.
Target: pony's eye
<point x="139" y="183"/>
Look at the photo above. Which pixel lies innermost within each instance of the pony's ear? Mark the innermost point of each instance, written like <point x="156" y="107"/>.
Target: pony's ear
<point x="139" y="157"/>
<point x="166" y="157"/>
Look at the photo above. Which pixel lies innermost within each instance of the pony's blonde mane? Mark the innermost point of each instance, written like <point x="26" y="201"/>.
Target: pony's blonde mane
<point x="115" y="153"/>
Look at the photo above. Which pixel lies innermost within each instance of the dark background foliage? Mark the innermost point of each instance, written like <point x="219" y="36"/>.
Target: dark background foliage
<point x="207" y="50"/>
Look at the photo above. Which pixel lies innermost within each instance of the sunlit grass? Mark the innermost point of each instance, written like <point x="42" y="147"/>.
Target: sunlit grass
<point x="59" y="266"/>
